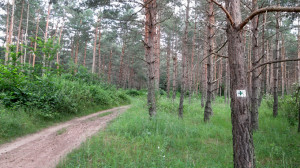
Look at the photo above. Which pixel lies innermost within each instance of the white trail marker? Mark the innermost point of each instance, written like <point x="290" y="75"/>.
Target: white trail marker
<point x="241" y="93"/>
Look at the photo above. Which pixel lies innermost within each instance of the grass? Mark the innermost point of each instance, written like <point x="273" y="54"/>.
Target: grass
<point x="132" y="140"/>
<point x="61" y="131"/>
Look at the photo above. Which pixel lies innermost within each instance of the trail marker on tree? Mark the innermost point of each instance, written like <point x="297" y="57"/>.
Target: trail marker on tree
<point x="241" y="93"/>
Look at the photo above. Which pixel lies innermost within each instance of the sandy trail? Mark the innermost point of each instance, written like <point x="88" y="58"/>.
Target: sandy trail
<point x="45" y="148"/>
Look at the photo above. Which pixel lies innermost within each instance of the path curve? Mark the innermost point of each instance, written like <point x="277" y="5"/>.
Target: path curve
<point x="45" y="148"/>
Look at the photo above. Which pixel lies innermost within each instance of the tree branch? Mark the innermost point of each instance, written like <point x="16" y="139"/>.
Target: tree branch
<point x="267" y="9"/>
<point x="226" y="12"/>
<point x="273" y="62"/>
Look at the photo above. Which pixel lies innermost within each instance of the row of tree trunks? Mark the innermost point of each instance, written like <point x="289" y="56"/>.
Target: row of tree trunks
<point x="184" y="78"/>
<point x="191" y="72"/>
<point x="26" y="33"/>
<point x="20" y="27"/>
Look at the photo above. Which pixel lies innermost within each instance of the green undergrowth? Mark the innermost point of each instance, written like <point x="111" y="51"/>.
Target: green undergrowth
<point x="29" y="103"/>
<point x="132" y="140"/>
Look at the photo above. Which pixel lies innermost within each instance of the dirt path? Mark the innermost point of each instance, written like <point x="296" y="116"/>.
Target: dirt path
<point x="45" y="148"/>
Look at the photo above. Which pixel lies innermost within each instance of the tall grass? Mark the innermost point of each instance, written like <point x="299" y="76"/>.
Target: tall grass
<point x="132" y="140"/>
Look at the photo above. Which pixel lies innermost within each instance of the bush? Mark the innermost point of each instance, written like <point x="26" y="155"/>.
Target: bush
<point x="289" y="108"/>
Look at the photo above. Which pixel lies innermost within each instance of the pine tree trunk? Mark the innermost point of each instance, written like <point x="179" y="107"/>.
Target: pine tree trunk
<point x="121" y="70"/>
<point x="59" y="39"/>
<point x="174" y="75"/>
<point x="26" y="33"/>
<point x="184" y="56"/>
<point x="99" y="52"/>
<point x="168" y="68"/>
<point x="192" y="63"/>
<point x="255" y="73"/>
<point x="157" y="50"/>
<point x="46" y="32"/>
<point x="36" y="36"/>
<point x="7" y="24"/>
<point x="268" y="85"/>
<point x="20" y="27"/>
<point x="95" y="46"/>
<point x="210" y="38"/>
<point x="243" y="148"/>
<point x="298" y="81"/>
<point x="204" y="75"/>
<point x="263" y="53"/>
<point x="109" y="67"/>
<point x="276" y="57"/>
<point x="84" y="57"/>
<point x="282" y="67"/>
<point x="150" y="33"/>
<point x="10" y="34"/>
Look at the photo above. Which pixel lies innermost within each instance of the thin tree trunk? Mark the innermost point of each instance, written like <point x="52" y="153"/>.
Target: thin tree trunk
<point x="7" y="24"/>
<point x="157" y="59"/>
<point x="168" y="68"/>
<point x="268" y="85"/>
<point x="46" y="32"/>
<point x="36" y="36"/>
<point x="243" y="148"/>
<point x="20" y="27"/>
<point x="150" y="29"/>
<point x="174" y="74"/>
<point x="84" y="57"/>
<point x="192" y="63"/>
<point x="109" y="67"/>
<point x="276" y="56"/>
<point x="59" y="39"/>
<point x="184" y="55"/>
<point x="204" y="74"/>
<point x="283" y="78"/>
<point x="95" y="46"/>
<point x="298" y="51"/>
<point x="121" y="70"/>
<point x="255" y="73"/>
<point x="210" y="38"/>
<point x="26" y="33"/>
<point x="99" y="51"/>
<point x="263" y="51"/>
<point x="10" y="34"/>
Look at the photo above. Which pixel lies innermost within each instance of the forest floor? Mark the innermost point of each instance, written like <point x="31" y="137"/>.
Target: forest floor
<point x="47" y="147"/>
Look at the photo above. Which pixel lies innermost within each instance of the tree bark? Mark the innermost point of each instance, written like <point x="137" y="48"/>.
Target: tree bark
<point x="210" y="38"/>
<point x="157" y="58"/>
<point x="59" y="39"/>
<point x="99" y="52"/>
<point x="36" y="36"/>
<point x="7" y="24"/>
<point x="121" y="70"/>
<point x="26" y="33"/>
<point x="255" y="73"/>
<point x="168" y="68"/>
<point x="10" y="34"/>
<point x="95" y="46"/>
<point x="192" y="63"/>
<point x="283" y="77"/>
<point x="84" y="57"/>
<point x="184" y="55"/>
<point x="174" y="75"/>
<point x="263" y="52"/>
<point x="298" y="51"/>
<point x="109" y="67"/>
<point x="46" y="32"/>
<point x="204" y="74"/>
<point x="20" y="27"/>
<point x="243" y="149"/>
<point x="276" y="56"/>
<point x="150" y="33"/>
